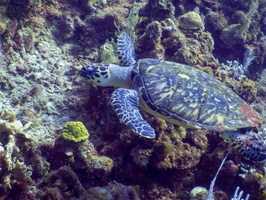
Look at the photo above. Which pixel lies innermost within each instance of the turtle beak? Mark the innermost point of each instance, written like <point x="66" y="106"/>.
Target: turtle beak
<point x="87" y="72"/>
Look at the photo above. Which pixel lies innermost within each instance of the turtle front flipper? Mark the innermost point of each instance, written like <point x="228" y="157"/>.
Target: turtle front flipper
<point x="125" y="48"/>
<point x="125" y="104"/>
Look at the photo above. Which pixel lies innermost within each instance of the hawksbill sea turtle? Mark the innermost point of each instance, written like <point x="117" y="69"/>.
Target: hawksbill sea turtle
<point x="179" y="94"/>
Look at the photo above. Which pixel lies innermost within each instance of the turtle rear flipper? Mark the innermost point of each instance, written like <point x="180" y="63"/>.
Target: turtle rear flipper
<point x="125" y="48"/>
<point x="125" y="104"/>
<point x="249" y="143"/>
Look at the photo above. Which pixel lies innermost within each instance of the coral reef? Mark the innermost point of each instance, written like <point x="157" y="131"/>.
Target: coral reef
<point x="171" y="152"/>
<point x="237" y="33"/>
<point x="150" y="41"/>
<point x="114" y="191"/>
<point x="21" y="162"/>
<point x="158" y="10"/>
<point x="15" y="9"/>
<point x="81" y="156"/>
<point x="60" y="183"/>
<point x="164" y="40"/>
<point x="44" y="44"/>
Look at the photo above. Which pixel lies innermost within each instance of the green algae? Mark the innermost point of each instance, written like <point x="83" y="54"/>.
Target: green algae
<point x="107" y="52"/>
<point x="132" y="20"/>
<point x="191" y="21"/>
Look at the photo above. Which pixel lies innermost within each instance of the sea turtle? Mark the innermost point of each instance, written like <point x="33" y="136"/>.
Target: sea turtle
<point x="177" y="93"/>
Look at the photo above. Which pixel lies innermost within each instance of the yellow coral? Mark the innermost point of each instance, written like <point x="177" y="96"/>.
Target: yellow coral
<point x="75" y="131"/>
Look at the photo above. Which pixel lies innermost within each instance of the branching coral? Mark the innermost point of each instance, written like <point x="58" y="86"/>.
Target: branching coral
<point x="237" y="196"/>
<point x="237" y="70"/>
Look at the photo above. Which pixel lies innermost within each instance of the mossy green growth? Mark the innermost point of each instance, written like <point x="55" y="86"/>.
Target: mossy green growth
<point x="191" y="21"/>
<point x="107" y="52"/>
<point x="75" y="131"/>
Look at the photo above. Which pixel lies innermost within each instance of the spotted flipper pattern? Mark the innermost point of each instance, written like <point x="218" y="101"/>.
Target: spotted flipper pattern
<point x="125" y="48"/>
<point x="125" y="104"/>
<point x="249" y="143"/>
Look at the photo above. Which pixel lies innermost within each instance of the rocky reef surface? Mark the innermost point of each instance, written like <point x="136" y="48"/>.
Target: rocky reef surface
<point x="59" y="136"/>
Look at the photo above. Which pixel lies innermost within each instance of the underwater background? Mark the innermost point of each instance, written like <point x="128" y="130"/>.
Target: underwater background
<point x="61" y="139"/>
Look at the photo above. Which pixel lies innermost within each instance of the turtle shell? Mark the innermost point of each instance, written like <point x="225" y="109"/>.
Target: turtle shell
<point x="189" y="97"/>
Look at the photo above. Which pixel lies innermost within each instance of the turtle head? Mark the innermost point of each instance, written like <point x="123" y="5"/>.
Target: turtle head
<point x="103" y="74"/>
<point x="96" y="74"/>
